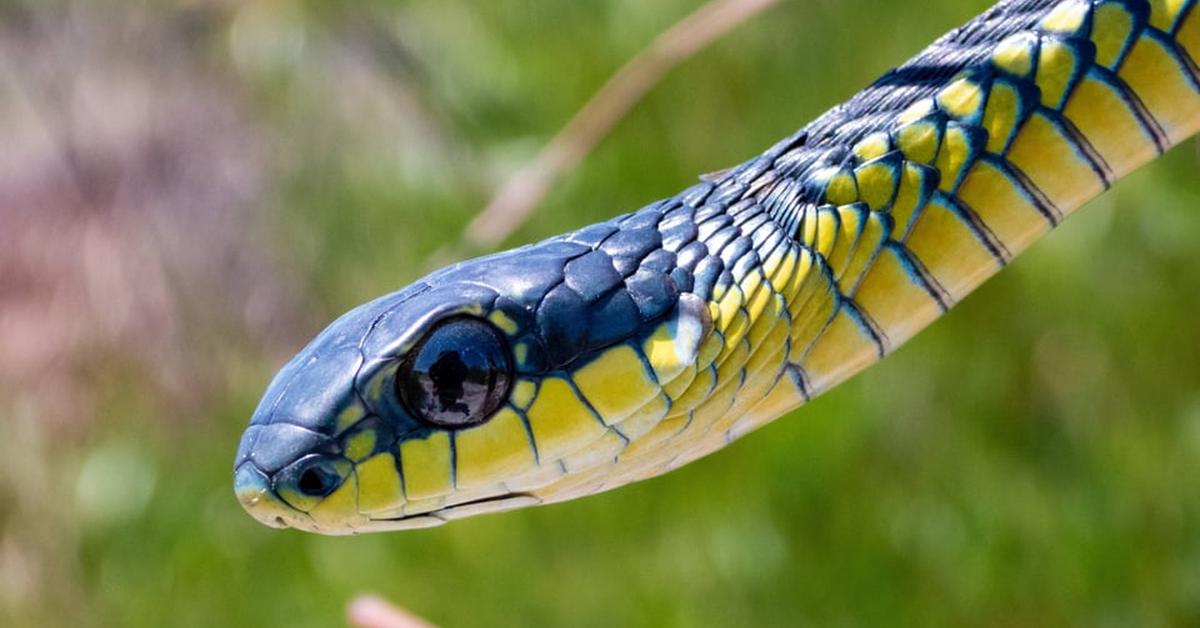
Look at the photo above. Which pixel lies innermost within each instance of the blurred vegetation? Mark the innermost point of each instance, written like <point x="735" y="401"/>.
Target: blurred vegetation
<point x="190" y="189"/>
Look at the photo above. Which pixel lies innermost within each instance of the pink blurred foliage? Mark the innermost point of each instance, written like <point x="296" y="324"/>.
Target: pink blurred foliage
<point x="135" y="201"/>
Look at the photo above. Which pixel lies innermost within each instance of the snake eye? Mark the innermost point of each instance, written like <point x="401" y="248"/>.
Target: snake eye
<point x="458" y="376"/>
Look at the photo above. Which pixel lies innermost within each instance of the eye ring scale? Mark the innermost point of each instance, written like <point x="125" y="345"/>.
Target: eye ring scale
<point x="458" y="376"/>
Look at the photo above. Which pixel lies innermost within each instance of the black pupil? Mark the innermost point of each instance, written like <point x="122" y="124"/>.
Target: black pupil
<point x="458" y="376"/>
<point x="314" y="482"/>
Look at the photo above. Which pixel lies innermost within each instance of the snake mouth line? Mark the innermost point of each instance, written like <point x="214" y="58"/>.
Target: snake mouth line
<point x="500" y="503"/>
<point x="258" y="495"/>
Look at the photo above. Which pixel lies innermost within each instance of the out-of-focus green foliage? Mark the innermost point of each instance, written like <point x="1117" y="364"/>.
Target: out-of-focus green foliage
<point x="1032" y="459"/>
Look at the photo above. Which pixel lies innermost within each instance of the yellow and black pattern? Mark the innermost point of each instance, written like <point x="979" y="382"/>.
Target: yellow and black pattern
<point x="917" y="215"/>
<point x="647" y="341"/>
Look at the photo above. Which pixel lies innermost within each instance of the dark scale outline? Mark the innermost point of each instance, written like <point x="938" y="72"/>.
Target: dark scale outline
<point x="1023" y="186"/>
<point x="866" y="325"/>
<point x="1079" y="144"/>
<point x="930" y="182"/>
<point x="1191" y="71"/>
<point x="1029" y="98"/>
<point x="921" y="276"/>
<point x="1053" y="213"/>
<point x="537" y="458"/>
<point x="1182" y="17"/>
<point x="454" y="458"/>
<point x="994" y="245"/>
<point x="821" y="266"/>
<point x="568" y="377"/>
<point x="864" y="214"/>
<point x="1150" y="125"/>
<point x="889" y="224"/>
<point x="1084" y="146"/>
<point x="1139" y="12"/>
<point x="976" y="146"/>
<point x="396" y="462"/>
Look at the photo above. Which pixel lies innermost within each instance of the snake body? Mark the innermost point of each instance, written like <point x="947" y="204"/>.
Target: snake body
<point x="636" y="345"/>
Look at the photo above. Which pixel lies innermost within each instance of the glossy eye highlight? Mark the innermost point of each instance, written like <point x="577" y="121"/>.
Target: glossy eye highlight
<point x="459" y="374"/>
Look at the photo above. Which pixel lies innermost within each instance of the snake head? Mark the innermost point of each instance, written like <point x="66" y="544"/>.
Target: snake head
<point x="401" y="373"/>
<point x="494" y="384"/>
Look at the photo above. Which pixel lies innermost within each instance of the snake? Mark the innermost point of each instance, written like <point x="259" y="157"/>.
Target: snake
<point x="628" y="348"/>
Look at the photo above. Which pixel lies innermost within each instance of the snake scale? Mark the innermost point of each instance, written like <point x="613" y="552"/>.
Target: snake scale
<point x="628" y="348"/>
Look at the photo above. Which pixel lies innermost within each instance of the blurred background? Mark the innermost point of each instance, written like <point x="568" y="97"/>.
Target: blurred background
<point x="190" y="190"/>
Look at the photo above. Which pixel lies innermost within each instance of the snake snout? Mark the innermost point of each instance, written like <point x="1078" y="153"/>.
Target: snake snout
<point x="283" y="471"/>
<point x="253" y="490"/>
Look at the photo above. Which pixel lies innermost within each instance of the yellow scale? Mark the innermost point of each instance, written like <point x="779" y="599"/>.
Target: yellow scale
<point x="926" y="213"/>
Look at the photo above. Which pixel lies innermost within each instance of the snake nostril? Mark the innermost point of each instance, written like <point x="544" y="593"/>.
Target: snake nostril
<point x="307" y="481"/>
<point x="318" y="477"/>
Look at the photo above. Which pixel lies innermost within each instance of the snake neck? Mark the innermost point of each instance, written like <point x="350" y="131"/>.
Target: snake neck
<point x="897" y="204"/>
<point x="825" y="253"/>
<point x="817" y="258"/>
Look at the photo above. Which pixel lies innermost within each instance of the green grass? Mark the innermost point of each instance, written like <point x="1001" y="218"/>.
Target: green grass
<point x="1032" y="459"/>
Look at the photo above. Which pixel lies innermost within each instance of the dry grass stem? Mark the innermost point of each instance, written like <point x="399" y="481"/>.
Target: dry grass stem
<point x="515" y="201"/>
